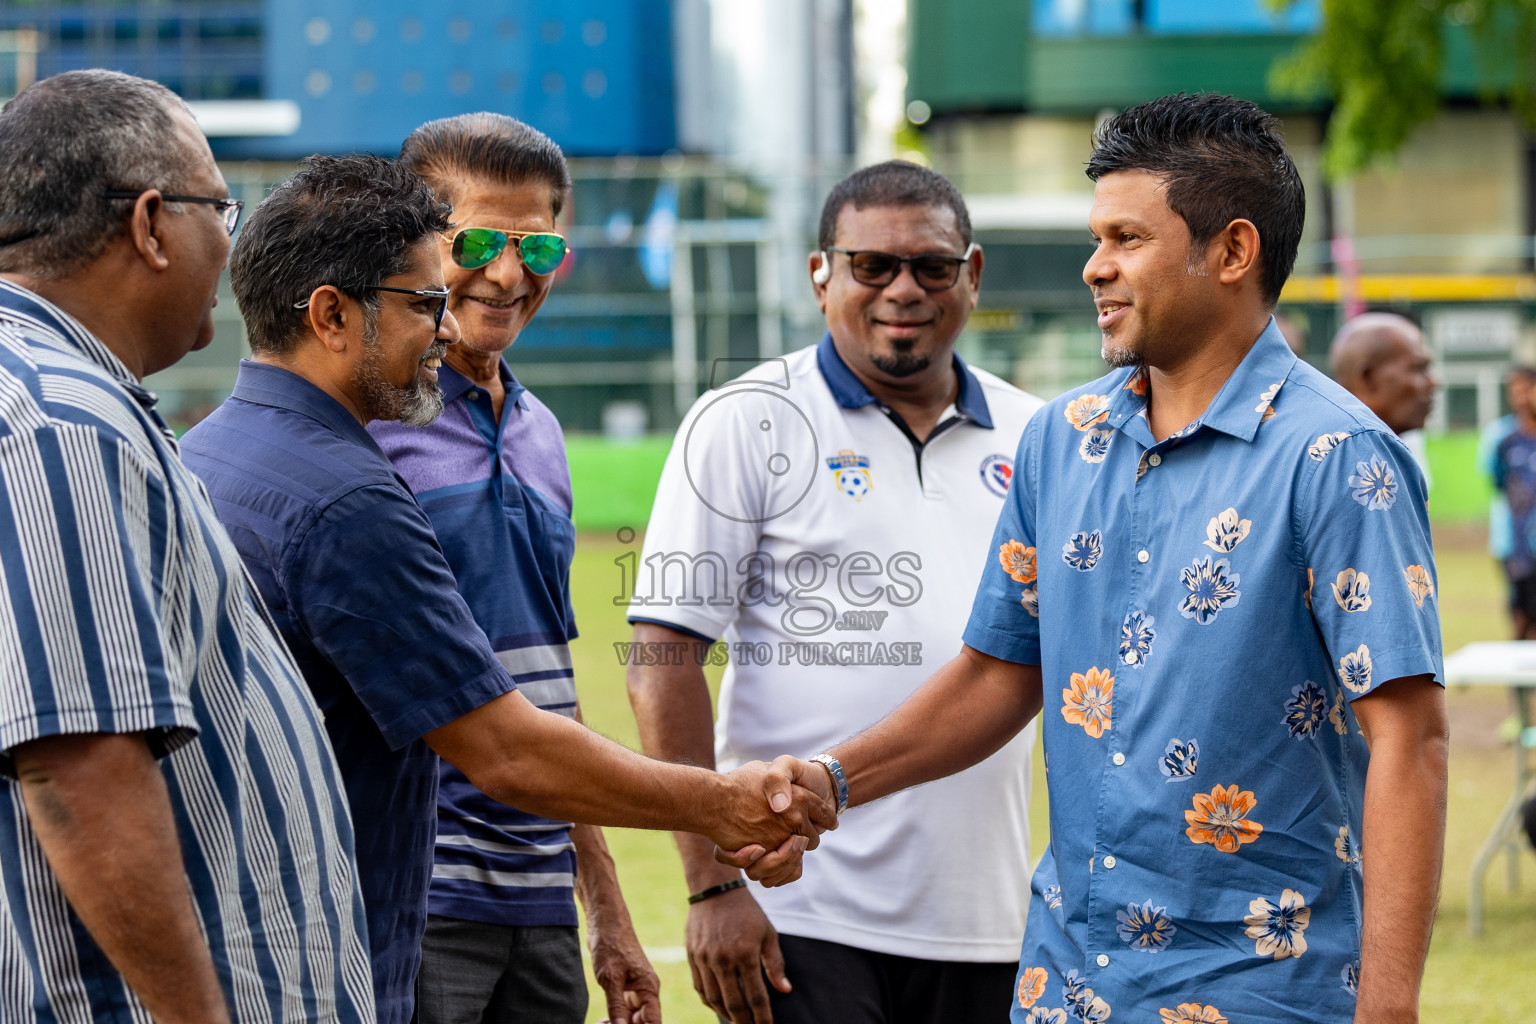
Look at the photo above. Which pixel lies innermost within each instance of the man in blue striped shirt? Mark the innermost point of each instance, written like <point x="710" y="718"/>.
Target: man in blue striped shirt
<point x="338" y="279"/>
<point x="501" y="944"/>
<point x="173" y="840"/>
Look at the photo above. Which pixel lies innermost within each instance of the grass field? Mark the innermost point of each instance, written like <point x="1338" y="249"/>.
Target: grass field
<point x="1468" y="981"/>
<point x="614" y="484"/>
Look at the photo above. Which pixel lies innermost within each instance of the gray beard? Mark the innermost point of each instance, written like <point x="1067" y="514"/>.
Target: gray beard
<point x="416" y="404"/>
<point x="1118" y="356"/>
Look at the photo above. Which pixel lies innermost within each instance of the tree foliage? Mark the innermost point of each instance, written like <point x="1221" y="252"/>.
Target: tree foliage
<point x="1382" y="63"/>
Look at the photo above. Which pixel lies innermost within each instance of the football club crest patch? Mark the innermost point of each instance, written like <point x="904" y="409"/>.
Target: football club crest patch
<point x="997" y="474"/>
<point x="851" y="473"/>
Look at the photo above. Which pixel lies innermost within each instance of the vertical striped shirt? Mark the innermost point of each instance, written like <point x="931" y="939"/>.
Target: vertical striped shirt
<point x="124" y="608"/>
<point x="499" y="497"/>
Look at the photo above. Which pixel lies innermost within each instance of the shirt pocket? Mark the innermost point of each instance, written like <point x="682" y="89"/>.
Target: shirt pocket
<point x="554" y="544"/>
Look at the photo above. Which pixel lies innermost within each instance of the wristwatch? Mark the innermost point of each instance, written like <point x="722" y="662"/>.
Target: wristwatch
<point x="839" y="779"/>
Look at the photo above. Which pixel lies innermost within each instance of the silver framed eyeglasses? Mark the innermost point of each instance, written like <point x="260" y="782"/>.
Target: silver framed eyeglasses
<point x="229" y="209"/>
<point x="440" y="294"/>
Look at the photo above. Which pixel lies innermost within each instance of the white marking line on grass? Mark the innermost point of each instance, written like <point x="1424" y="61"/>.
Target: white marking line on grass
<point x="667" y="954"/>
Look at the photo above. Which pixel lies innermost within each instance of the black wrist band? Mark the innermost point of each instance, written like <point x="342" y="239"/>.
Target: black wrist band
<point x="716" y="890"/>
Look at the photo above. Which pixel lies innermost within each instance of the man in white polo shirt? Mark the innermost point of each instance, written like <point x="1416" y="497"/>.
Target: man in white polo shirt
<point x="827" y="515"/>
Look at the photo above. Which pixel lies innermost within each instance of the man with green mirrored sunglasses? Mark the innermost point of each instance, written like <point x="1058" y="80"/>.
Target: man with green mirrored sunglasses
<point x="501" y="943"/>
<point x="541" y="251"/>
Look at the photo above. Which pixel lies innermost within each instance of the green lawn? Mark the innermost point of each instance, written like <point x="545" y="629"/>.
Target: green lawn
<point x="1468" y="982"/>
<point x="614" y="484"/>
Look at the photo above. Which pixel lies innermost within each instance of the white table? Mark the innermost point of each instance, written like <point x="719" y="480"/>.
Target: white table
<point x="1509" y="664"/>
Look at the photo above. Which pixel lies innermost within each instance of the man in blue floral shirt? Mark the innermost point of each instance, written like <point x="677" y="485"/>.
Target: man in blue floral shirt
<point x="1214" y="582"/>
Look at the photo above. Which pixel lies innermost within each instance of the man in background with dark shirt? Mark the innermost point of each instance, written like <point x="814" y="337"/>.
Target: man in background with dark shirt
<point x="1514" y="474"/>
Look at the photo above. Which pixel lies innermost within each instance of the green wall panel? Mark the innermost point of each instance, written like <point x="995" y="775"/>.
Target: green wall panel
<point x="1094" y="72"/>
<point x="967" y="54"/>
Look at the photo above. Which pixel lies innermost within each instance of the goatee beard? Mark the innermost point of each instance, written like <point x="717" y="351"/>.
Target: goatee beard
<point x="902" y="364"/>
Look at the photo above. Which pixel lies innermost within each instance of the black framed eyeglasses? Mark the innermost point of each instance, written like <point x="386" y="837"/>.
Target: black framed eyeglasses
<point x="228" y="209"/>
<point x="440" y="294"/>
<point x="934" y="272"/>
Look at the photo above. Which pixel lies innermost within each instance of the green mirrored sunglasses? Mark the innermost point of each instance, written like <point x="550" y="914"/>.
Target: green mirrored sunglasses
<point x="540" y="251"/>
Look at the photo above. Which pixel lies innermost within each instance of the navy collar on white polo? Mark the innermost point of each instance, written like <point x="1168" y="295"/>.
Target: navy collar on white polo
<point x="851" y="393"/>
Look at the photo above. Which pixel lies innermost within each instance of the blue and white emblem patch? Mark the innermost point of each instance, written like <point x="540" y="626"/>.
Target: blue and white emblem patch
<point x="997" y="474"/>
<point x="851" y="473"/>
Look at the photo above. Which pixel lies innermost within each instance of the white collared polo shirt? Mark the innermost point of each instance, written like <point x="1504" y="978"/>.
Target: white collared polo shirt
<point x="800" y="521"/>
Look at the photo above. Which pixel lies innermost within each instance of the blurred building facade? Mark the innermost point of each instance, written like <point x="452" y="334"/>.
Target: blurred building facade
<point x="701" y="134"/>
<point x="1010" y="95"/>
<point x="595" y="74"/>
<point x="704" y="134"/>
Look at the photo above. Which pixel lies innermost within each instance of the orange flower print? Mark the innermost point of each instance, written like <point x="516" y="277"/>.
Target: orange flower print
<point x="1018" y="561"/>
<point x="1087" y="411"/>
<point x="1136" y="383"/>
<point x="1218" y="819"/>
<point x="1031" y="986"/>
<point x="1194" y="1013"/>
<point x="1306" y="595"/>
<point x="1089" y="701"/>
<point x="1419" y="584"/>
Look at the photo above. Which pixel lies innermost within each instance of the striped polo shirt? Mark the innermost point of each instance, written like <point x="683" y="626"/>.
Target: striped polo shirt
<point x="499" y="497"/>
<point x="124" y="609"/>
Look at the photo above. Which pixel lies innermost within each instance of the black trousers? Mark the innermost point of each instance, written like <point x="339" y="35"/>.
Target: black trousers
<point x="837" y="984"/>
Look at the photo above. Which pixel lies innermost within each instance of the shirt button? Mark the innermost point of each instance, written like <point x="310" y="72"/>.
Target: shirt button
<point x="1119" y="758"/>
<point x="1131" y="657"/>
<point x="1103" y="960"/>
<point x="1110" y="862"/>
<point x="1154" y="459"/>
<point x="474" y="395"/>
<point x="1142" y="556"/>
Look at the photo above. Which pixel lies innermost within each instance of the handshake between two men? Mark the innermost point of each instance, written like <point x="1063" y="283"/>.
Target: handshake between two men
<point x="804" y="796"/>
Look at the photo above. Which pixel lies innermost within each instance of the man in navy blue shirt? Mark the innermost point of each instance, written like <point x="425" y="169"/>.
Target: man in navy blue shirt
<point x="338" y="279"/>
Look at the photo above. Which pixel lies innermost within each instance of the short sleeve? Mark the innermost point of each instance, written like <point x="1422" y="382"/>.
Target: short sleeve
<point x="1005" y="618"/>
<point x="84" y="645"/>
<point x="714" y="498"/>
<point x="1365" y="539"/>
<point x="369" y="585"/>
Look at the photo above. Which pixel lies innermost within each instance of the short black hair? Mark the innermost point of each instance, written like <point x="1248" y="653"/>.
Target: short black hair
<point x="893" y="183"/>
<point x="1220" y="159"/>
<point x="347" y="221"/>
<point x="68" y="139"/>
<point x="492" y="147"/>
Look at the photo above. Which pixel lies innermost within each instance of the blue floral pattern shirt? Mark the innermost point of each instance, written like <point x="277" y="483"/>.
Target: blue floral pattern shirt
<point x="1209" y="606"/>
